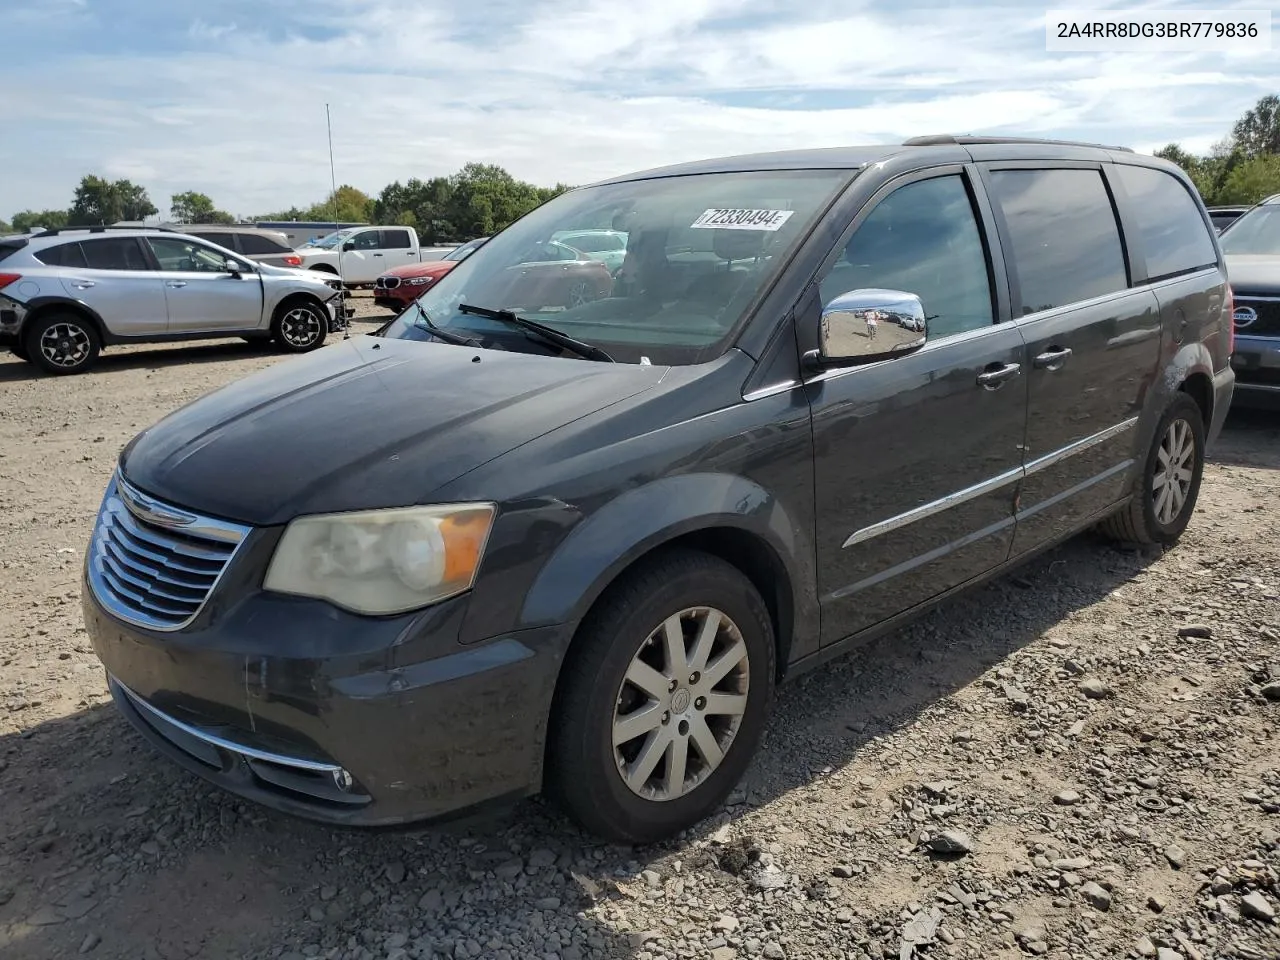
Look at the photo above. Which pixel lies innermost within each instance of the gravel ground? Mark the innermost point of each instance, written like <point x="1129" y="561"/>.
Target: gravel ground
<point x="1080" y="760"/>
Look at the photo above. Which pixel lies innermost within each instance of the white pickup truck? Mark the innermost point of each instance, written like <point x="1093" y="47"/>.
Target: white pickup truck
<point x="362" y="254"/>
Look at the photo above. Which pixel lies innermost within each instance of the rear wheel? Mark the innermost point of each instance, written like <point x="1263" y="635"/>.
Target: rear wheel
<point x="62" y="343"/>
<point x="299" y="326"/>
<point x="1162" y="506"/>
<point x="664" y="700"/>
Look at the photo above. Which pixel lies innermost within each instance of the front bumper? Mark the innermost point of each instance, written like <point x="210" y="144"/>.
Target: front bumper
<point x="1256" y="362"/>
<point x="333" y="717"/>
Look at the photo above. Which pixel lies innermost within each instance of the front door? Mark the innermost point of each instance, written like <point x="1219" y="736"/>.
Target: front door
<point x="1092" y="343"/>
<point x="917" y="458"/>
<point x="202" y="294"/>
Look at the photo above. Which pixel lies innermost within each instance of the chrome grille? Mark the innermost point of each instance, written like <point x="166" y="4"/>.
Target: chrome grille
<point x="155" y="565"/>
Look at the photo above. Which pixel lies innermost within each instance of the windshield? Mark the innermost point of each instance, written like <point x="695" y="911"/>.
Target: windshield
<point x="699" y="250"/>
<point x="1255" y="233"/>
<point x="330" y="240"/>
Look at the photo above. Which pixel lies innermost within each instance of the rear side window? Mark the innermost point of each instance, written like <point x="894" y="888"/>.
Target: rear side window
<point x="226" y="240"/>
<point x="395" y="240"/>
<point x="1063" y="236"/>
<point x="256" y="243"/>
<point x="1174" y="237"/>
<point x="63" y="255"/>
<point x="114" y="253"/>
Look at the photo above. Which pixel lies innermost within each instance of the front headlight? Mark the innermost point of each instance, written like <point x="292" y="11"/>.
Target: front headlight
<point x="383" y="561"/>
<point x="418" y="281"/>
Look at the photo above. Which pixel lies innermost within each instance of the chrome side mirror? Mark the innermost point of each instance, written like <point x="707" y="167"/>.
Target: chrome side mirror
<point x="866" y="325"/>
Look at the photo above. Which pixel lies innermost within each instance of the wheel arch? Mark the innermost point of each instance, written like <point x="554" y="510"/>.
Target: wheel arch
<point x="41" y="307"/>
<point x="730" y="517"/>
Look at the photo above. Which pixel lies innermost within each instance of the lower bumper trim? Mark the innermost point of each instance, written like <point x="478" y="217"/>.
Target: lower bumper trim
<point x="225" y="759"/>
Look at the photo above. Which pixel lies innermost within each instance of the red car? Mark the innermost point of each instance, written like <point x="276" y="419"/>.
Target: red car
<point x="398" y="288"/>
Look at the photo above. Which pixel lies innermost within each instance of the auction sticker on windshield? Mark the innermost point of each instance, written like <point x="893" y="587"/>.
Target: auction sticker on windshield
<point x="725" y="218"/>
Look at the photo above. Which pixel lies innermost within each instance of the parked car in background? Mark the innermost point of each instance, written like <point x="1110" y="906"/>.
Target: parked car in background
<point x="577" y="549"/>
<point x="300" y="232"/>
<point x="1252" y="248"/>
<point x="399" y="287"/>
<point x="607" y="246"/>
<point x="65" y="294"/>
<point x="362" y="254"/>
<point x="260" y="246"/>
<point x="1223" y="217"/>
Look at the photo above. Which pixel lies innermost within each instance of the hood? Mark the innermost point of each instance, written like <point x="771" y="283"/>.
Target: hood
<point x="1254" y="274"/>
<point x="365" y="423"/>
<point x="428" y="268"/>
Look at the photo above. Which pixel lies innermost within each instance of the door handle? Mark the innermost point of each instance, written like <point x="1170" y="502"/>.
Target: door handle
<point x="83" y="284"/>
<point x="377" y="254"/>
<point x="996" y="374"/>
<point x="176" y="283"/>
<point x="1053" y="358"/>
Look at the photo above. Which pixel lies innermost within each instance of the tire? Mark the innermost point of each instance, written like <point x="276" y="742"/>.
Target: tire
<point x="1159" y="513"/>
<point x="62" y="343"/>
<point x="299" y="326"/>
<point x="19" y="351"/>
<point x="625" y="631"/>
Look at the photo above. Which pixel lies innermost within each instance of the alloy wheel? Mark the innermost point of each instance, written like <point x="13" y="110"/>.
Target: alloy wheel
<point x="65" y="345"/>
<point x="1171" y="484"/>
<point x="300" y="327"/>
<point x="680" y="704"/>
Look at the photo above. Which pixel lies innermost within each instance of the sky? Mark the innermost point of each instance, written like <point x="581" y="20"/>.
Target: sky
<point x="228" y="98"/>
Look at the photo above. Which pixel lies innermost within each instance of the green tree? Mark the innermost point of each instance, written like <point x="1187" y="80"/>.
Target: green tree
<point x="486" y="199"/>
<point x="5" y="227"/>
<point x="192" y="207"/>
<point x="424" y="205"/>
<point x="346" y="204"/>
<point x="1257" y="133"/>
<point x="1252" y="180"/>
<point x="98" y="200"/>
<point x="27" y="220"/>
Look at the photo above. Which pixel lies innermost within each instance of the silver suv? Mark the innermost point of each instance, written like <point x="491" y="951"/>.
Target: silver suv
<point x="64" y="294"/>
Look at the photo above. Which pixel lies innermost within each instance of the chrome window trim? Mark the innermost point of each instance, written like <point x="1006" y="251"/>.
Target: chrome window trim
<point x="994" y="483"/>
<point x="230" y="746"/>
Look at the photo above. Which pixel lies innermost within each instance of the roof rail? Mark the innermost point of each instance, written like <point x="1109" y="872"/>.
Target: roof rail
<point x="1274" y="198"/>
<point x="97" y="228"/>
<point x="941" y="138"/>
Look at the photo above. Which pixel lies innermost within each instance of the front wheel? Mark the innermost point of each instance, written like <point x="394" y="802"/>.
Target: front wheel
<point x="299" y="327"/>
<point x="1163" y="504"/>
<point x="664" y="700"/>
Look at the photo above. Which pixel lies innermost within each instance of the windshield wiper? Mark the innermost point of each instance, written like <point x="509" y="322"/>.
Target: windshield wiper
<point x="548" y="334"/>
<point x="424" y="322"/>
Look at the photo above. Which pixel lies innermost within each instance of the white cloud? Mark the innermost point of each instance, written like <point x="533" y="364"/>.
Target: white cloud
<point x="575" y="93"/>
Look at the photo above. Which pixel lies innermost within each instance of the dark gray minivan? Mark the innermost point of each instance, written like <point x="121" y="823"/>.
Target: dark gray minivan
<point x="515" y="542"/>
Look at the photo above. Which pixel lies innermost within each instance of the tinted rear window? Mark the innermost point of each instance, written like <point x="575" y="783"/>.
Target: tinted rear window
<point x="395" y="240"/>
<point x="114" y="253"/>
<point x="1064" y="237"/>
<point x="63" y="255"/>
<point x="256" y="243"/>
<point x="1174" y="237"/>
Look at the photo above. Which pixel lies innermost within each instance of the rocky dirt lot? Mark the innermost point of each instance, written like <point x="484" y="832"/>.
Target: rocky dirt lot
<point x="1079" y="761"/>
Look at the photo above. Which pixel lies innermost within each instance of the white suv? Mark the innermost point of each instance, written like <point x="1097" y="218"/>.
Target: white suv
<point x="64" y="294"/>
